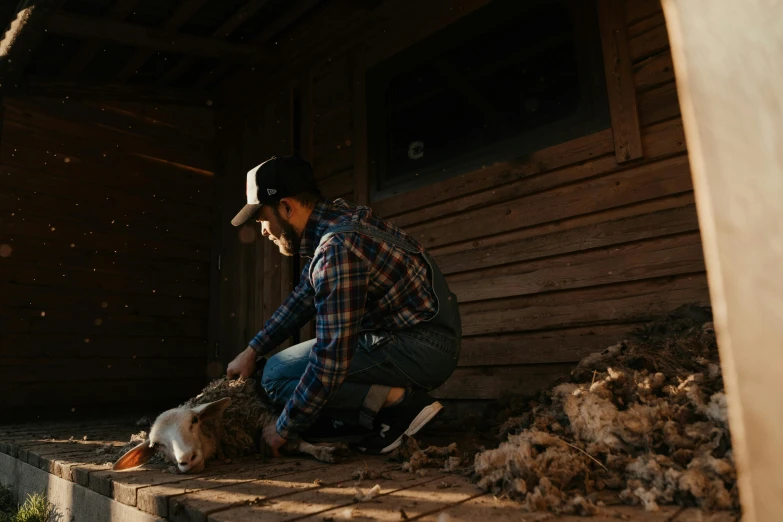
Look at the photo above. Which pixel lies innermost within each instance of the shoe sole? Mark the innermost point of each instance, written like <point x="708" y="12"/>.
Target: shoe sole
<point x="425" y="415"/>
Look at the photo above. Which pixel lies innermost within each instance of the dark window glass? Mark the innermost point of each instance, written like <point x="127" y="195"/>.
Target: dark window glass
<point x="509" y="79"/>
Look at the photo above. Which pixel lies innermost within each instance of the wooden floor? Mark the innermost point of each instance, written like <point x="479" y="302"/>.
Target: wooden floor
<point x="277" y="489"/>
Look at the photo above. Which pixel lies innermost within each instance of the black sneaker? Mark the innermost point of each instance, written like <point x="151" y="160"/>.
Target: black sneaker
<point x="326" y="429"/>
<point x="406" y="418"/>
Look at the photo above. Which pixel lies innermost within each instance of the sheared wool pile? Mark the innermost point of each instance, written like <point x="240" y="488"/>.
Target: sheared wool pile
<point x="646" y="417"/>
<point x="416" y="460"/>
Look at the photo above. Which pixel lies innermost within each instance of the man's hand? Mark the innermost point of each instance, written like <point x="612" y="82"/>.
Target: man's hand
<point x="243" y="364"/>
<point x="273" y="439"/>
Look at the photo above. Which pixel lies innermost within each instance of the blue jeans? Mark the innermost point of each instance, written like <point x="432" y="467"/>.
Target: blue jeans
<point x="421" y="357"/>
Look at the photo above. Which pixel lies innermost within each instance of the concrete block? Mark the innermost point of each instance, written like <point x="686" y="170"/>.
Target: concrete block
<point x="74" y="503"/>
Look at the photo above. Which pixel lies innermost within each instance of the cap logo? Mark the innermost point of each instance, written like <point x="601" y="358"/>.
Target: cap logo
<point x="271" y="191"/>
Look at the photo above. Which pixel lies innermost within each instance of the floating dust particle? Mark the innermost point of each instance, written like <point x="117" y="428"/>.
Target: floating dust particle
<point x="53" y="229"/>
<point x="67" y="160"/>
<point x="43" y="314"/>
<point x="73" y="245"/>
<point x="87" y="340"/>
<point x="247" y="234"/>
<point x="104" y="304"/>
<point x="5" y="250"/>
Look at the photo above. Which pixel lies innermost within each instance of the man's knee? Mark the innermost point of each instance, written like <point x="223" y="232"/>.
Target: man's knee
<point x="271" y="378"/>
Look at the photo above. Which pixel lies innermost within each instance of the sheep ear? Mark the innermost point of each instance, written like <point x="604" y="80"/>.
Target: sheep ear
<point x="212" y="410"/>
<point x="135" y="457"/>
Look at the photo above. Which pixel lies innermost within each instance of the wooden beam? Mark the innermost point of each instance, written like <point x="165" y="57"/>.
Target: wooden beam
<point x="91" y="47"/>
<point x="619" y="81"/>
<point x="237" y="19"/>
<point x="262" y="38"/>
<point x="184" y="12"/>
<point x="77" y="26"/>
<point x="21" y="39"/>
<point x="38" y="87"/>
<point x="726" y="57"/>
<point x="361" y="188"/>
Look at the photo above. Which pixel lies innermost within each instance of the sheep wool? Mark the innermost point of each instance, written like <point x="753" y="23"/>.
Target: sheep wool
<point x="646" y="418"/>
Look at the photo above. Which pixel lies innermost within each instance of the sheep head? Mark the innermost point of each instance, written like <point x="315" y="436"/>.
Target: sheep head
<point x="188" y="437"/>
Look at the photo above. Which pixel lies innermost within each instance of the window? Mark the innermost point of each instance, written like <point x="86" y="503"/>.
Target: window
<point x="514" y="77"/>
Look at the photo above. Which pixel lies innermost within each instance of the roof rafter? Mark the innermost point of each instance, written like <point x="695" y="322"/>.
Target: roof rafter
<point x="116" y="91"/>
<point x="237" y="19"/>
<point x="78" y="63"/>
<point x="274" y="28"/>
<point x="77" y="26"/>
<point x="184" y="12"/>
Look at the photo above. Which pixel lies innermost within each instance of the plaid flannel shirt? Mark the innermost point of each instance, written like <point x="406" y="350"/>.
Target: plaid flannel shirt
<point x="356" y="283"/>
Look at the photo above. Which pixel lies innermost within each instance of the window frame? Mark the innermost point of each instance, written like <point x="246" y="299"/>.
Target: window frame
<point x="592" y="116"/>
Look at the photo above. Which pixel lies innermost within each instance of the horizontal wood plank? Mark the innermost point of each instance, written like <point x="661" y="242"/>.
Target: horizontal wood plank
<point x="108" y="138"/>
<point x="56" y="255"/>
<point x="645" y="182"/>
<point x="196" y="122"/>
<point x="331" y="161"/>
<point x="337" y="184"/>
<point x="117" y="237"/>
<point x="333" y="128"/>
<point x="75" y="322"/>
<point x="100" y="302"/>
<point x="526" y="186"/>
<point x="673" y="216"/>
<point x="122" y="122"/>
<point x="658" y="257"/>
<point x="552" y="346"/>
<point x="56" y="370"/>
<point x="73" y="346"/>
<point x="664" y="138"/>
<point x="99" y="392"/>
<point x="628" y="302"/>
<point x="91" y="214"/>
<point x="150" y="283"/>
<point x="574" y="151"/>
<point x="637" y="10"/>
<point x="141" y="177"/>
<point x="648" y="38"/>
<point x="653" y="71"/>
<point x="659" y="103"/>
<point x="492" y="382"/>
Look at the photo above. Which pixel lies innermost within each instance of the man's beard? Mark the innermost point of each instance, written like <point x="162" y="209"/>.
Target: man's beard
<point x="288" y="240"/>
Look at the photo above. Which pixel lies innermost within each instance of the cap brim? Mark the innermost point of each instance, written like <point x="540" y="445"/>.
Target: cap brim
<point x="246" y="213"/>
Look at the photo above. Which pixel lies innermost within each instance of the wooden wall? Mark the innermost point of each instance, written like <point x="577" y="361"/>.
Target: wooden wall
<point x="106" y="213"/>
<point x="553" y="256"/>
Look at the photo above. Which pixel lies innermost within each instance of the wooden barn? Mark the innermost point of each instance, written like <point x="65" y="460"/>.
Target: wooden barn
<point x="536" y="148"/>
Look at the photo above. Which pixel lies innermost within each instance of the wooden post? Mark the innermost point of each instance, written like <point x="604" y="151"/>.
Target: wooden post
<point x="361" y="188"/>
<point x="619" y="81"/>
<point x="727" y="59"/>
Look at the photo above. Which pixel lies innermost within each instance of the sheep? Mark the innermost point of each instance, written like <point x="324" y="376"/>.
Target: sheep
<point x="224" y="420"/>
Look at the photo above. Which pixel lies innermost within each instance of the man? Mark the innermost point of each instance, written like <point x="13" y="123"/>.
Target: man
<point x="387" y="327"/>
